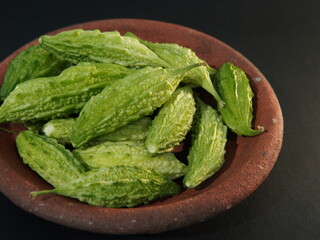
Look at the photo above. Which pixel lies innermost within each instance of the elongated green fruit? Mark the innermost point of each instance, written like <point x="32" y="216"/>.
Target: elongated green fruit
<point x="34" y="62"/>
<point x="233" y="87"/>
<point x="60" y="129"/>
<point x="178" y="56"/>
<point x="129" y="153"/>
<point x="172" y="123"/>
<point x="206" y="154"/>
<point x="94" y="46"/>
<point x="50" y="160"/>
<point x="121" y="186"/>
<point x="60" y="96"/>
<point x="125" y="101"/>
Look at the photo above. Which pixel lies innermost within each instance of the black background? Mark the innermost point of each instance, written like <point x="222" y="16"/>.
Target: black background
<point x="282" y="38"/>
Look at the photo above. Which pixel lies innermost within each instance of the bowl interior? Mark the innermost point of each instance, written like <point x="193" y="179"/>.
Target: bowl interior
<point x="248" y="160"/>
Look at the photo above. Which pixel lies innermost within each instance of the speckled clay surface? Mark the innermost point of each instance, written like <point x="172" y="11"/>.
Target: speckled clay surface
<point x="248" y="160"/>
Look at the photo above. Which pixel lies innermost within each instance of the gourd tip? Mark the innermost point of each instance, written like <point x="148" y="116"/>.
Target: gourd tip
<point x="152" y="149"/>
<point x="37" y="193"/>
<point x="34" y="194"/>
<point x="261" y="129"/>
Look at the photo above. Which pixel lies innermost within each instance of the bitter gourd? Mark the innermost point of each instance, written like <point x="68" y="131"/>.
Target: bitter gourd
<point x="50" y="160"/>
<point x="206" y="154"/>
<point x="178" y="56"/>
<point x="130" y="153"/>
<point x="60" y="96"/>
<point x="234" y="88"/>
<point x="60" y="129"/>
<point x="95" y="46"/>
<point x="172" y="123"/>
<point x="120" y="186"/>
<point x="34" y="62"/>
<point x="126" y="100"/>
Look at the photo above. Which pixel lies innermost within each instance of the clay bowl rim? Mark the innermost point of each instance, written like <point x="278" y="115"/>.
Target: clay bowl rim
<point x="228" y="189"/>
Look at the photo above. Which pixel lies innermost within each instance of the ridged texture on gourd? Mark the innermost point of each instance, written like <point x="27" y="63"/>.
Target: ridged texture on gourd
<point x="60" y="96"/>
<point x="60" y="129"/>
<point x="48" y="158"/>
<point x="34" y="62"/>
<point x="126" y="100"/>
<point x="130" y="153"/>
<point x="172" y="123"/>
<point x="178" y="56"/>
<point x="206" y="154"/>
<point x="120" y="186"/>
<point x="94" y="46"/>
<point x="234" y="88"/>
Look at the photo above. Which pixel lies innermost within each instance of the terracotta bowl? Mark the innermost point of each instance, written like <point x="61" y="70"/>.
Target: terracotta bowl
<point x="248" y="162"/>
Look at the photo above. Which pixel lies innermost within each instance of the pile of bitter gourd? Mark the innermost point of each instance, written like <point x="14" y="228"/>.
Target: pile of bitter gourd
<point x="88" y="99"/>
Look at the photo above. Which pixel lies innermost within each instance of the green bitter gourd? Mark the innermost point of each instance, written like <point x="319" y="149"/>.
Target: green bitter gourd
<point x="120" y="186"/>
<point x="234" y="88"/>
<point x="206" y="154"/>
<point x="95" y="46"/>
<point x="34" y="62"/>
<point x="51" y="160"/>
<point x="172" y="123"/>
<point x="130" y="153"/>
<point x="60" y="96"/>
<point x="60" y="129"/>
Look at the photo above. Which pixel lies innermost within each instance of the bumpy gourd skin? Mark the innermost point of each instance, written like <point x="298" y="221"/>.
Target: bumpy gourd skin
<point x="60" y="96"/>
<point x="178" y="56"/>
<point x="34" y="62"/>
<point x="60" y="129"/>
<point x="120" y="186"/>
<point x="172" y="123"/>
<point x="94" y="46"/>
<point x="50" y="160"/>
<point x="206" y="154"/>
<point x="129" y="153"/>
<point x="233" y="87"/>
<point x="126" y="100"/>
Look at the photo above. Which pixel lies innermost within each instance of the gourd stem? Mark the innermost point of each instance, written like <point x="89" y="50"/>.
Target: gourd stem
<point x="35" y="194"/>
<point x="8" y="131"/>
